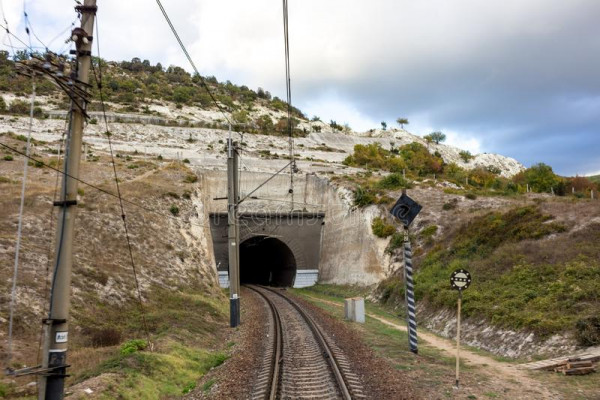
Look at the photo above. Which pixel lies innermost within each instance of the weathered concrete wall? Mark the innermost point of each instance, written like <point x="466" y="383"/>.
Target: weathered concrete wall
<point x="349" y="253"/>
<point x="301" y="232"/>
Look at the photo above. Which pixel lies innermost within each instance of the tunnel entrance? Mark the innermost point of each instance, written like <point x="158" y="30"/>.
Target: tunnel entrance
<point x="267" y="261"/>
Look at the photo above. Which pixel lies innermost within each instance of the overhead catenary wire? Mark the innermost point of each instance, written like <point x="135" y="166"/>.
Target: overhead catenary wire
<point x="8" y="33"/>
<point x="289" y="98"/>
<point x="29" y="27"/>
<point x="98" y="79"/>
<point x="67" y="29"/>
<point x="96" y="187"/>
<point x="189" y="58"/>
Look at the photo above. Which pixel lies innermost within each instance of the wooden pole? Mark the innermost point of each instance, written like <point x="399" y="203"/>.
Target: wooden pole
<point x="458" y="338"/>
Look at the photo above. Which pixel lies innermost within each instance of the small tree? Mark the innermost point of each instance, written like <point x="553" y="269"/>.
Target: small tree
<point x="465" y="155"/>
<point x="383" y="125"/>
<point x="436" y="137"/>
<point x="402" y="122"/>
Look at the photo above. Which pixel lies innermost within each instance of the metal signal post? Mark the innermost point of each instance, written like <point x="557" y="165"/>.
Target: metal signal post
<point x="54" y="358"/>
<point x="233" y="233"/>
<point x="411" y="317"/>
<point x="459" y="280"/>
<point x="406" y="210"/>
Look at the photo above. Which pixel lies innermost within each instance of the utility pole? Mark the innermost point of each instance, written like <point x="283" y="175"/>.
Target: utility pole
<point x="233" y="233"/>
<point x="54" y="359"/>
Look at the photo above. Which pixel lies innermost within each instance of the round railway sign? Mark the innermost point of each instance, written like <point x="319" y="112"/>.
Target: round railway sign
<point x="460" y="279"/>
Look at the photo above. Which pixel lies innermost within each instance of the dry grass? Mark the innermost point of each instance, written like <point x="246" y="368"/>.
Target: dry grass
<point x="102" y="275"/>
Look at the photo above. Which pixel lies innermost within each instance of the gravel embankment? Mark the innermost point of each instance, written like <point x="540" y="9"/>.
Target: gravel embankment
<point x="233" y="380"/>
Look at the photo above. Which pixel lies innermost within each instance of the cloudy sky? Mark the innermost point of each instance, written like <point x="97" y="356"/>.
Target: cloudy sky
<point x="515" y="77"/>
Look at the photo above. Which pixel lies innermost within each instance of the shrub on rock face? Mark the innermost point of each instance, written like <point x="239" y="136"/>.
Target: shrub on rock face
<point x="19" y="107"/>
<point x="381" y="229"/>
<point x="465" y="155"/>
<point x="588" y="331"/>
<point x="393" y="181"/>
<point x="363" y="197"/>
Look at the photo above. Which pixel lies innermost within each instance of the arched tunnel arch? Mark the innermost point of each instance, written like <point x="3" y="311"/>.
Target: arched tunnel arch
<point x="266" y="260"/>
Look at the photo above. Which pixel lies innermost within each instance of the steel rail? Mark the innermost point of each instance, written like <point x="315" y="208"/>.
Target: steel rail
<point x="275" y="365"/>
<point x="329" y="354"/>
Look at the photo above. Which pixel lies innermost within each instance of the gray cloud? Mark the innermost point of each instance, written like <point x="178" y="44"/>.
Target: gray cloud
<point x="520" y="76"/>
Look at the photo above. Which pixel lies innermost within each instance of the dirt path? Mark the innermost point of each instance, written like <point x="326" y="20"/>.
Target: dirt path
<point x="510" y="375"/>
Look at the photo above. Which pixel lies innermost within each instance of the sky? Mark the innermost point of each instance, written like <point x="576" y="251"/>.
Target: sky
<point x="519" y="78"/>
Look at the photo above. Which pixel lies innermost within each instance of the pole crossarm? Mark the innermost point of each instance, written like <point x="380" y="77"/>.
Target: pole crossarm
<point x="264" y="183"/>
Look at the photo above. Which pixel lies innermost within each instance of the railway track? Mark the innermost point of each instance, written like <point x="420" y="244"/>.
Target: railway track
<point x="300" y="360"/>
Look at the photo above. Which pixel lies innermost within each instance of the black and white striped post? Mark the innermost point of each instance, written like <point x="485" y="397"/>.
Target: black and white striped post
<point x="411" y="318"/>
<point x="406" y="209"/>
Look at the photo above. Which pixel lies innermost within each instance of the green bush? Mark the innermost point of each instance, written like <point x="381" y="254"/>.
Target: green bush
<point x="429" y="231"/>
<point x="588" y="331"/>
<point x="396" y="242"/>
<point x="393" y="181"/>
<point x="381" y="229"/>
<point x="540" y="178"/>
<point x="471" y="196"/>
<point x="133" y="346"/>
<point x="174" y="210"/>
<point x="451" y="205"/>
<point x="19" y="107"/>
<point x="465" y="155"/>
<point x="8" y="157"/>
<point x="363" y="197"/>
<point x="420" y="161"/>
<point x="191" y="178"/>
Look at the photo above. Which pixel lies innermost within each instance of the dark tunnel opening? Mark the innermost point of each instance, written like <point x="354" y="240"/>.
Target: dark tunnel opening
<point x="267" y="261"/>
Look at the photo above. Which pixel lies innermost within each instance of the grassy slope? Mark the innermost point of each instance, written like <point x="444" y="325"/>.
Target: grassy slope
<point x="594" y="178"/>
<point x="528" y="272"/>
<point x="433" y="372"/>
<point x="183" y="309"/>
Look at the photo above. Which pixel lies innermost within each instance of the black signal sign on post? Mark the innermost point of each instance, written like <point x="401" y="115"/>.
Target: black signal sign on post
<point x="405" y="209"/>
<point x="460" y="279"/>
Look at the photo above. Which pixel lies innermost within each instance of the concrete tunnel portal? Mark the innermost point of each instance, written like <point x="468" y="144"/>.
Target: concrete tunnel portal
<point x="267" y="261"/>
<point x="276" y="248"/>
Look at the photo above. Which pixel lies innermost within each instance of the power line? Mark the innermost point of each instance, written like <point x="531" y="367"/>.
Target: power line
<point x="6" y="28"/>
<point x="9" y="34"/>
<point x="189" y="58"/>
<point x="68" y="28"/>
<point x="20" y="224"/>
<point x="29" y="27"/>
<point x="95" y="187"/>
<point x="98" y="79"/>
<point x="289" y="98"/>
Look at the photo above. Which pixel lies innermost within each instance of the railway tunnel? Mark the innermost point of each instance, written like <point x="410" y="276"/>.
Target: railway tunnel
<point x="276" y="249"/>
<point x="267" y="261"/>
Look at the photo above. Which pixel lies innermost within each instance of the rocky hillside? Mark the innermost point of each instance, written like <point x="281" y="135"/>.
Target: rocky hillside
<point x="138" y="92"/>
<point x="165" y="131"/>
<point x="173" y="259"/>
